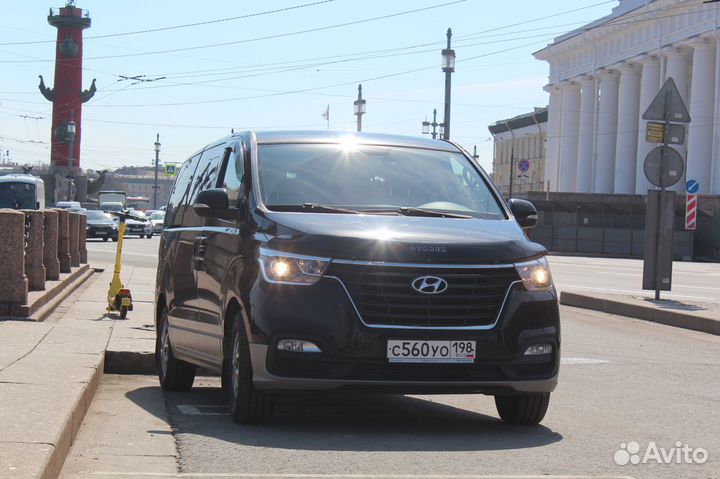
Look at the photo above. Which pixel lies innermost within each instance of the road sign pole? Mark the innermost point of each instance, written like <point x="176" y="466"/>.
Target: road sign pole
<point x="661" y="226"/>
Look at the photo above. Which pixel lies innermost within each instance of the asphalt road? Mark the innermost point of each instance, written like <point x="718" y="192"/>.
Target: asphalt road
<point x="621" y="381"/>
<point x="694" y="282"/>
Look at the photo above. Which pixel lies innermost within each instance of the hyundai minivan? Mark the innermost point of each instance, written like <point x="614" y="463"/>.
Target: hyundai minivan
<point x="323" y="261"/>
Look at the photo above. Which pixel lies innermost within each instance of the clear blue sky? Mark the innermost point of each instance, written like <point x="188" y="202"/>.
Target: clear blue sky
<point x="281" y="82"/>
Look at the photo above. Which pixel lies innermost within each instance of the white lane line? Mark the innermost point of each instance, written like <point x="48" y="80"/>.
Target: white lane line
<point x="350" y="476"/>
<point x="148" y="255"/>
<point x="572" y="361"/>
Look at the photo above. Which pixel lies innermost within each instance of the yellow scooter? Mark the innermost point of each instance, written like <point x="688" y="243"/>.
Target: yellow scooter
<point x="119" y="297"/>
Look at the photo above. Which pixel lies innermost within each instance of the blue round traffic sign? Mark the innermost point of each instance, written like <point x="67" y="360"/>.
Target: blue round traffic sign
<point x="692" y="187"/>
<point x="524" y="166"/>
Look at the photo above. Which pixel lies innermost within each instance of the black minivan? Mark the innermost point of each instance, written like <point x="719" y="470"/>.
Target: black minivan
<point x="318" y="261"/>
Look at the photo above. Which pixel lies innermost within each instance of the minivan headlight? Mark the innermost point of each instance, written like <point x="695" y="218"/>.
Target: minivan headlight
<point x="535" y="274"/>
<point x="287" y="268"/>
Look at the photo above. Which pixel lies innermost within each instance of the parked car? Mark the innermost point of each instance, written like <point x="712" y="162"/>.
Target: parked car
<point x="141" y="226"/>
<point x="297" y="261"/>
<point x="158" y="221"/>
<point x="101" y="225"/>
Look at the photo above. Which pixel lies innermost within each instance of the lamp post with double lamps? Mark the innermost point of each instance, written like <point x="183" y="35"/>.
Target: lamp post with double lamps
<point x="71" y="144"/>
<point x="157" y="163"/>
<point x="435" y="125"/>
<point x="448" y="66"/>
<point x="359" y="108"/>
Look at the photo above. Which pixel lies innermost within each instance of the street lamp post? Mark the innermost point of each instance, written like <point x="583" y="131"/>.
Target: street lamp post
<point x="426" y="126"/>
<point x="448" y="66"/>
<point x="157" y="163"/>
<point x="359" y="108"/>
<point x="71" y="145"/>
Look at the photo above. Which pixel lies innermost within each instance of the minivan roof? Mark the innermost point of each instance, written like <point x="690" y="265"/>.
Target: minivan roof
<point x="268" y="137"/>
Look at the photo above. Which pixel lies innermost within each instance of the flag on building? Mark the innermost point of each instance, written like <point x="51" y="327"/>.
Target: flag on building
<point x="326" y="115"/>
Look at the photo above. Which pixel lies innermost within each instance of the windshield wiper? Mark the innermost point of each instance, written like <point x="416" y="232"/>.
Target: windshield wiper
<point x="312" y="208"/>
<point x="412" y="211"/>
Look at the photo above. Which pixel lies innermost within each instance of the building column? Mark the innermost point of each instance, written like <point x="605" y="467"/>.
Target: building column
<point x="552" y="138"/>
<point x="678" y="69"/>
<point x="569" y="136"/>
<point x="702" y="110"/>
<point x="586" y="151"/>
<point x="627" y="129"/>
<point x="649" y="87"/>
<point x="604" y="171"/>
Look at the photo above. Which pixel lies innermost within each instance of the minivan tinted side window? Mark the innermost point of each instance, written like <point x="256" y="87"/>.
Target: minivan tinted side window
<point x="233" y="176"/>
<point x="180" y="191"/>
<point x="207" y="171"/>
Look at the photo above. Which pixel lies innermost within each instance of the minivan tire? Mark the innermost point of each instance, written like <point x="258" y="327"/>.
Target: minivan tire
<point x="248" y="405"/>
<point x="174" y="374"/>
<point x="522" y="409"/>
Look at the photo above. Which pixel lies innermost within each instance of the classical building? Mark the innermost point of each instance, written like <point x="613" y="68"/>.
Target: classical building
<point x="519" y="152"/>
<point x="604" y="75"/>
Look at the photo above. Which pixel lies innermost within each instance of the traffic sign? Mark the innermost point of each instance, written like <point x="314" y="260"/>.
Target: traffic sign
<point x="663" y="173"/>
<point x="668" y="105"/>
<point x="692" y="187"/>
<point x="170" y="169"/>
<point x="655" y="133"/>
<point x="523" y="166"/>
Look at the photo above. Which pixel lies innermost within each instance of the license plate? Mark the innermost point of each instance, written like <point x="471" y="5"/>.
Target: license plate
<point x="126" y="302"/>
<point x="430" y="351"/>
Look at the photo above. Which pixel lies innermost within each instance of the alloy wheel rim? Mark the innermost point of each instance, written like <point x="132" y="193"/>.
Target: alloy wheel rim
<point x="164" y="349"/>
<point x="236" y="366"/>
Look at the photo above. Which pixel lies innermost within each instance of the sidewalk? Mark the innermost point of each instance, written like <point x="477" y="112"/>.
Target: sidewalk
<point x="696" y="316"/>
<point x="49" y="371"/>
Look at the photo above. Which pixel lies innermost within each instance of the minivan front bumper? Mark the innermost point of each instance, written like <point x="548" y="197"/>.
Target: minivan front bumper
<point x="353" y="354"/>
<point x="264" y="379"/>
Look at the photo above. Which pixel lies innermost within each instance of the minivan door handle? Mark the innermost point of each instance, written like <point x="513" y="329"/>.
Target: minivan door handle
<point x="199" y="247"/>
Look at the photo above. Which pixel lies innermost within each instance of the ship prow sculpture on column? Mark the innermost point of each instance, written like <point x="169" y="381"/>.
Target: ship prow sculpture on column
<point x="67" y="96"/>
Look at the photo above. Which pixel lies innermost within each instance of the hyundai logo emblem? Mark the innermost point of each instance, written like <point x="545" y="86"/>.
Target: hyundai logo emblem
<point x="429" y="285"/>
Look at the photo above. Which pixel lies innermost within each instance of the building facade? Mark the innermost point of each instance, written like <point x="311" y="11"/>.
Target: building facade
<point x="519" y="152"/>
<point x="141" y="185"/>
<point x="604" y="76"/>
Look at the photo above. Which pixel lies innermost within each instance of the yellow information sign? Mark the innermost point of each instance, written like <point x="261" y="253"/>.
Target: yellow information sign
<point x="655" y="132"/>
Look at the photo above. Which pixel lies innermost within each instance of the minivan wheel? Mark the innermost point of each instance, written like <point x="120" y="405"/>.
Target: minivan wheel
<point x="248" y="405"/>
<point x="523" y="409"/>
<point x="174" y="374"/>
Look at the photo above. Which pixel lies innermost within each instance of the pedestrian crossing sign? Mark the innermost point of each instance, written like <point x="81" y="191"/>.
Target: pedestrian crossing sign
<point x="170" y="169"/>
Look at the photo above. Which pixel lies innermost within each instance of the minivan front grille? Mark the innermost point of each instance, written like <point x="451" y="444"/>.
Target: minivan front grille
<point x="384" y="295"/>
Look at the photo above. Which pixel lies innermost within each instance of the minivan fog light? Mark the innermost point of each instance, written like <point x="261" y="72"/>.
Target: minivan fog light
<point x="535" y="274"/>
<point x="538" y="349"/>
<point x="298" y="346"/>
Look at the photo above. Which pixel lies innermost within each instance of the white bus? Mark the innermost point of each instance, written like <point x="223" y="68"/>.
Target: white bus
<point x="22" y="192"/>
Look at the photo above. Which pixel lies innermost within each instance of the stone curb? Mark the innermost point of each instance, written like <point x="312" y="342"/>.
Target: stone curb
<point x="56" y="460"/>
<point x="618" y="306"/>
<point x="45" y="302"/>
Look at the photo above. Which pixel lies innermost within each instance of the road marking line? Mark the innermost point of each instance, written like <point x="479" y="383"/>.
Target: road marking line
<point x="350" y="476"/>
<point x="191" y="410"/>
<point x="570" y="361"/>
<point x="634" y="292"/>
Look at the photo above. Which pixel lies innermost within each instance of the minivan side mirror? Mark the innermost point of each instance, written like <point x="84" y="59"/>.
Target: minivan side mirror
<point x="212" y="203"/>
<point x="524" y="212"/>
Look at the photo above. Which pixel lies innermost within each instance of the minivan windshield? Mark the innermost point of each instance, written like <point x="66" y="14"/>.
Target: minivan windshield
<point x="372" y="179"/>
